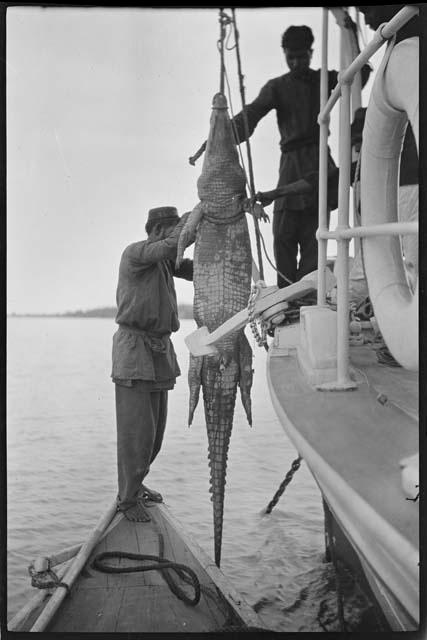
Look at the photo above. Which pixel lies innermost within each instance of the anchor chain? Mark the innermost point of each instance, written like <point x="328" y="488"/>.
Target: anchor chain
<point x="261" y="338"/>
<point x="294" y="468"/>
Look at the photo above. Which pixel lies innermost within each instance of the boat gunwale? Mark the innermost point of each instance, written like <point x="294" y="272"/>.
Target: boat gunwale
<point x="337" y="491"/>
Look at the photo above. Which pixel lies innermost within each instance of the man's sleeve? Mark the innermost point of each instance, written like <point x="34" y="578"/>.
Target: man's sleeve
<point x="185" y="269"/>
<point x="255" y="111"/>
<point x="144" y="253"/>
<point x="365" y="72"/>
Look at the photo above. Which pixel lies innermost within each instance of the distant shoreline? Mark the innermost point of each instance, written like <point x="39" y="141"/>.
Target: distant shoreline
<point x="185" y="311"/>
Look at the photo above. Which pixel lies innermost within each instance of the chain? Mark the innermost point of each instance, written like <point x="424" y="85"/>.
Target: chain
<point x="294" y="468"/>
<point x="261" y="338"/>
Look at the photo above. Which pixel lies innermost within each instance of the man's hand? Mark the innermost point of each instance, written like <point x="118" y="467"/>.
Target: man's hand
<point x="254" y="208"/>
<point x="264" y="197"/>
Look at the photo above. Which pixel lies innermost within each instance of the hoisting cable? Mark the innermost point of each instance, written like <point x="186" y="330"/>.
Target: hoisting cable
<point x="159" y="563"/>
<point x="248" y="146"/>
<point x="230" y="102"/>
<point x="223" y="21"/>
<point x="294" y="468"/>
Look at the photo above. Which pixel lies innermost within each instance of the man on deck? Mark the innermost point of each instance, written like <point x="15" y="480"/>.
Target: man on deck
<point x="144" y="361"/>
<point x="296" y="98"/>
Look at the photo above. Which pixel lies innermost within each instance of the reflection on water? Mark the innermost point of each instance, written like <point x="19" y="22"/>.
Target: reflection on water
<point x="62" y="474"/>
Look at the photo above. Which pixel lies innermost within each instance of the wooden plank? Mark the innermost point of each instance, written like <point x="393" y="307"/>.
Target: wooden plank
<point x="90" y="610"/>
<point x="124" y="539"/>
<point x="235" y="600"/>
<point x="157" y="610"/>
<point x="135" y="609"/>
<point x="176" y="549"/>
<point x="183" y="554"/>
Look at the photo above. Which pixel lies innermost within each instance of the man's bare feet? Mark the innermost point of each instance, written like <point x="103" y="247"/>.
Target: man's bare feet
<point x="137" y="513"/>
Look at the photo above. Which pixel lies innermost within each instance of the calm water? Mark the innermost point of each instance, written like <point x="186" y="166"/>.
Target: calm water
<point x="62" y="474"/>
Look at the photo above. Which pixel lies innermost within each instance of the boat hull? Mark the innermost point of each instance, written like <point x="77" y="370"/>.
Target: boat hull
<point x="352" y="444"/>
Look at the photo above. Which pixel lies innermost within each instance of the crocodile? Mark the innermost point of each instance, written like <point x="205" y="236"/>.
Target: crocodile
<point x="222" y="282"/>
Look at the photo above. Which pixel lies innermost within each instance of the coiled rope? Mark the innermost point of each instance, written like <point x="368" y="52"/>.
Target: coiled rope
<point x="260" y="338"/>
<point x="46" y="579"/>
<point x="159" y="563"/>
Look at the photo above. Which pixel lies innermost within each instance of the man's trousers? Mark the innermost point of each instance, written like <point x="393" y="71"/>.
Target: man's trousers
<point x="293" y="229"/>
<point x="141" y="421"/>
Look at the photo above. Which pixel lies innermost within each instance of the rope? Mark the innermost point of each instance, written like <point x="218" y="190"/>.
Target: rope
<point x="159" y="564"/>
<point x="261" y="338"/>
<point x="223" y="21"/>
<point x="270" y="262"/>
<point x="46" y="579"/>
<point x="294" y="468"/>
<point x="248" y="146"/>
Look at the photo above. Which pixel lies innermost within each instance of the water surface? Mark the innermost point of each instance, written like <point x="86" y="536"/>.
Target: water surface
<point x="61" y="474"/>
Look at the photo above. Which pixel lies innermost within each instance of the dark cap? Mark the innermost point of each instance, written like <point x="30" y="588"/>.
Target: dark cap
<point x="297" y="38"/>
<point x="162" y="214"/>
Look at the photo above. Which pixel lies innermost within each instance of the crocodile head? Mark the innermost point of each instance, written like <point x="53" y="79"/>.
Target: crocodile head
<point x="222" y="181"/>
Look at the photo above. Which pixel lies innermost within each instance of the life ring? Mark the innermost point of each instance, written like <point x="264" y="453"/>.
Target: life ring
<point x="394" y="100"/>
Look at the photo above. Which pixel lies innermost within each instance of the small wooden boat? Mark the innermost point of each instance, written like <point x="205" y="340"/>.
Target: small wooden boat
<point x="139" y="601"/>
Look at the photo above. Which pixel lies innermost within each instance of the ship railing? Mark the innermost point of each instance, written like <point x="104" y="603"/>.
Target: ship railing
<point x="343" y="233"/>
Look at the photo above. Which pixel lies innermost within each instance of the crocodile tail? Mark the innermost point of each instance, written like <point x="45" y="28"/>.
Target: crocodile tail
<point x="220" y="377"/>
<point x="194" y="382"/>
<point x="219" y="440"/>
<point x="246" y="374"/>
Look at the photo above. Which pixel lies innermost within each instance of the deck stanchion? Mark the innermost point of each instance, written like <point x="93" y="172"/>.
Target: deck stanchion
<point x="323" y="166"/>
<point x="343" y="330"/>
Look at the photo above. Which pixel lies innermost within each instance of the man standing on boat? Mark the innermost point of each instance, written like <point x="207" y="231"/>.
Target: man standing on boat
<point x="296" y="98"/>
<point x="144" y="361"/>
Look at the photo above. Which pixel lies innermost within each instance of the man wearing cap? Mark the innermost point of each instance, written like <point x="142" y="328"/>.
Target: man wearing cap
<point x="296" y="98"/>
<point x="144" y="361"/>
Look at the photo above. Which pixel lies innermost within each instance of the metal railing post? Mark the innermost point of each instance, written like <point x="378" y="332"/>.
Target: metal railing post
<point x="343" y="331"/>
<point x="323" y="166"/>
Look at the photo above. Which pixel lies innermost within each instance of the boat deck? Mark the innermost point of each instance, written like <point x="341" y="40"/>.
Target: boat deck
<point x="353" y="442"/>
<point x="359" y="437"/>
<point x="142" y="601"/>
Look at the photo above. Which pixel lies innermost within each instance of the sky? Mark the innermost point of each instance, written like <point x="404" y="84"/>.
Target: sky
<point x="104" y="108"/>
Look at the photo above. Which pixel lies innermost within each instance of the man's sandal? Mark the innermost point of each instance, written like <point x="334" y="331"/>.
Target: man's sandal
<point x="150" y="495"/>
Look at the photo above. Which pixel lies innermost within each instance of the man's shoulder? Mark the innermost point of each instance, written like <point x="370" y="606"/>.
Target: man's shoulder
<point x="134" y="246"/>
<point x="133" y="252"/>
<point x="277" y="79"/>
